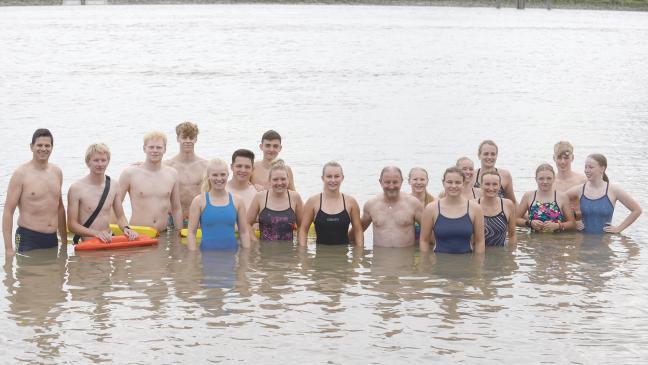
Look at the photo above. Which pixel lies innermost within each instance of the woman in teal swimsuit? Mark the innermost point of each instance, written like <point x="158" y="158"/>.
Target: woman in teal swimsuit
<point x="218" y="213"/>
<point x="545" y="209"/>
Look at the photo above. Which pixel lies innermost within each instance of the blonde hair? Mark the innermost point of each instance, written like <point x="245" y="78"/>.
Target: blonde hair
<point x="155" y="135"/>
<point x="187" y="129"/>
<point x="428" y="197"/>
<point x="332" y="164"/>
<point x="276" y="166"/>
<point x="96" y="148"/>
<point x="563" y="147"/>
<point x="487" y="141"/>
<point x="206" y="184"/>
<point x="545" y="167"/>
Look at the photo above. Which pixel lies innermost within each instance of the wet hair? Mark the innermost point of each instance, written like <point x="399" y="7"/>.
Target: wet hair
<point x="391" y="168"/>
<point x="206" y="184"/>
<point x="96" y="148"/>
<point x="464" y="158"/>
<point x="563" y="147"/>
<point x="277" y="165"/>
<point x="155" y="135"/>
<point x="332" y="164"/>
<point x="454" y="169"/>
<point x="602" y="161"/>
<point x="42" y="132"/>
<point x="409" y="175"/>
<point x="481" y="178"/>
<point x="270" y="135"/>
<point x="428" y="197"/>
<point x="243" y="153"/>
<point x="187" y="129"/>
<point x="545" y="167"/>
<point x="487" y="141"/>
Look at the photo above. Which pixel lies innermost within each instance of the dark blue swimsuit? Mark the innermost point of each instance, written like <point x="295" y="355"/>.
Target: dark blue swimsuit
<point x="452" y="235"/>
<point x="597" y="213"/>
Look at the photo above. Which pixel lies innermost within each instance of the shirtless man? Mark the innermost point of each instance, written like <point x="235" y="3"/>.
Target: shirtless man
<point x="563" y="157"/>
<point x="35" y="188"/>
<point x="566" y="178"/>
<point x="191" y="168"/>
<point x="393" y="214"/>
<point x="153" y="187"/>
<point x="239" y="184"/>
<point x="84" y="196"/>
<point x="271" y="146"/>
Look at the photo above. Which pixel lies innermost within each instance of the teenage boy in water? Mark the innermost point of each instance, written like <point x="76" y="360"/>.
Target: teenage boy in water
<point x="191" y="167"/>
<point x="240" y="184"/>
<point x="270" y="146"/>
<point x="566" y="178"/>
<point x="84" y="196"/>
<point x="35" y="189"/>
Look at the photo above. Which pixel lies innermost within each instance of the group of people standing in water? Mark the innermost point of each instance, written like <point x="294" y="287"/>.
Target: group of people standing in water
<point x="475" y="209"/>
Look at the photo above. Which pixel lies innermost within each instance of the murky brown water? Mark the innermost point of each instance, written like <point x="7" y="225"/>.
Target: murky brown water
<point x="368" y="86"/>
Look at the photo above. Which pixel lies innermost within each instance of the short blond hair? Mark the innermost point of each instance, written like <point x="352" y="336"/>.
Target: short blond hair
<point x="563" y="147"/>
<point x="187" y="129"/>
<point x="96" y="148"/>
<point x="206" y="184"/>
<point x="155" y="135"/>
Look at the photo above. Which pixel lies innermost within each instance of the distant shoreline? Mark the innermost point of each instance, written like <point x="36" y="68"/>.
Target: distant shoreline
<point x="625" y="5"/>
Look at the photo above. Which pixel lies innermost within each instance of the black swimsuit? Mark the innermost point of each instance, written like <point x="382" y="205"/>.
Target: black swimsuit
<point x="332" y="229"/>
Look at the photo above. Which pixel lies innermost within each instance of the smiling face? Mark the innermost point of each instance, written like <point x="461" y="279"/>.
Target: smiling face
<point x="418" y="180"/>
<point x="490" y="185"/>
<point x="391" y="182"/>
<point x="154" y="150"/>
<point x="187" y="143"/>
<point x="453" y="183"/>
<point x="467" y="167"/>
<point x="41" y="149"/>
<point x="279" y="180"/>
<point x="593" y="170"/>
<point x="217" y="175"/>
<point x="98" y="162"/>
<point x="332" y="178"/>
<point x="242" y="168"/>
<point x="488" y="155"/>
<point x="270" y="149"/>
<point x="545" y="180"/>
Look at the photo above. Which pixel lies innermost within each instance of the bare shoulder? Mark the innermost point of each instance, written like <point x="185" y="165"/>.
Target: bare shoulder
<point x="350" y="199"/>
<point x="412" y="201"/>
<point x="504" y="173"/>
<point x="312" y="200"/>
<point x="473" y="206"/>
<point x="295" y="194"/>
<point x="170" y="171"/>
<point x="508" y="203"/>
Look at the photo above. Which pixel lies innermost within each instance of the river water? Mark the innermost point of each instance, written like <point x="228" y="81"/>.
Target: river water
<point x="367" y="86"/>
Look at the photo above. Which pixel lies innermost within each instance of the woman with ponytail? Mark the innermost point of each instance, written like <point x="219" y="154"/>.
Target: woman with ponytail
<point x="597" y="198"/>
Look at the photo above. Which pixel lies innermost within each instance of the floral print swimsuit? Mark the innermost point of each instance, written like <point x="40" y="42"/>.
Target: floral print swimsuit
<point x="545" y="212"/>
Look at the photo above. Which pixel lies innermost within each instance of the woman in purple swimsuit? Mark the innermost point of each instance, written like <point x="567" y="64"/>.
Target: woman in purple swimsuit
<point x="548" y="210"/>
<point x="278" y="210"/>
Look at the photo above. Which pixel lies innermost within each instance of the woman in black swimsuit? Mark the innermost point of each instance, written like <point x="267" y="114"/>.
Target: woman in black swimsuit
<point x="487" y="153"/>
<point x="332" y="212"/>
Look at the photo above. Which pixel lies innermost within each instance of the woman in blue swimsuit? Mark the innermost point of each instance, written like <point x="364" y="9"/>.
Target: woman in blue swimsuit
<point x="548" y="210"/>
<point x="597" y="198"/>
<point x="218" y="212"/>
<point x="456" y="223"/>
<point x="499" y="213"/>
<point x="278" y="210"/>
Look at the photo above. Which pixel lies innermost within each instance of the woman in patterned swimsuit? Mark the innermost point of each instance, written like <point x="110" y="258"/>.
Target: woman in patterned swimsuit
<point x="548" y="210"/>
<point x="499" y="213"/>
<point x="278" y="209"/>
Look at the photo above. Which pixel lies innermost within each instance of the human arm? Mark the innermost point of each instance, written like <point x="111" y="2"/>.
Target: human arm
<point x="366" y="216"/>
<point x="14" y="190"/>
<point x="356" y="223"/>
<point x="253" y="213"/>
<point x="512" y="238"/>
<point x="195" y="209"/>
<point x="521" y="220"/>
<point x="306" y="220"/>
<point x="62" y="225"/>
<point x="479" y="242"/>
<point x="176" y="206"/>
<point x="628" y="202"/>
<point x="565" y="207"/>
<point x="507" y="184"/>
<point x="418" y="210"/>
<point x="299" y="206"/>
<point x="120" y="216"/>
<point x="428" y="217"/>
<point x="242" y="223"/>
<point x="291" y="179"/>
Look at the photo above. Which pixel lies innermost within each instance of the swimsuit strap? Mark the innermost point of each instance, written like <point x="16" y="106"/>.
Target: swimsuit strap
<point x="478" y="170"/>
<point x="479" y="201"/>
<point x="343" y="202"/>
<point x="583" y="192"/>
<point x="230" y="198"/>
<point x="555" y="197"/>
<point x="533" y="201"/>
<point x="473" y="191"/>
<point x="320" y="208"/>
<point x="607" y="187"/>
<point x="289" y="204"/>
<point x="501" y="204"/>
<point x="266" y="202"/>
<point x="439" y="206"/>
<point x="207" y="198"/>
<point x="468" y="207"/>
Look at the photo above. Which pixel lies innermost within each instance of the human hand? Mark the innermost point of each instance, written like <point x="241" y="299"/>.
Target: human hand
<point x="131" y="234"/>
<point x="611" y="229"/>
<point x="104" y="236"/>
<point x="537" y="225"/>
<point x="580" y="225"/>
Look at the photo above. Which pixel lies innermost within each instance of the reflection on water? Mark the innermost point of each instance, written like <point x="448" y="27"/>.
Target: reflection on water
<point x="369" y="86"/>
